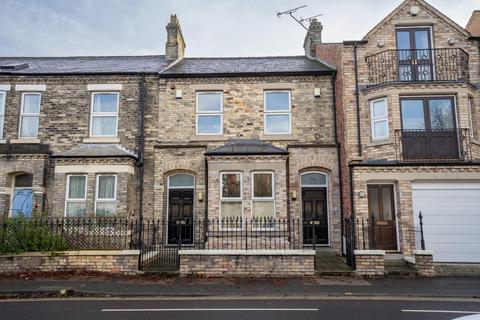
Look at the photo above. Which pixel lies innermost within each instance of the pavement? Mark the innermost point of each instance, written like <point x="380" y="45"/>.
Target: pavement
<point x="459" y="287"/>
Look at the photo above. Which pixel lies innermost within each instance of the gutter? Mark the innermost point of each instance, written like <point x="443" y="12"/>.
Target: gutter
<point x="245" y="74"/>
<point x="416" y="164"/>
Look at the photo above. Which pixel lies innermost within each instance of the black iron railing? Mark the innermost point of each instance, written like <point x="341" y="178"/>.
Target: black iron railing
<point x="418" y="65"/>
<point x="432" y="145"/>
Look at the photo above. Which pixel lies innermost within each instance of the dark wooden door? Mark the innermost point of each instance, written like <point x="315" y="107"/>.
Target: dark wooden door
<point x="382" y="206"/>
<point x="415" y="61"/>
<point x="315" y="220"/>
<point x="180" y="216"/>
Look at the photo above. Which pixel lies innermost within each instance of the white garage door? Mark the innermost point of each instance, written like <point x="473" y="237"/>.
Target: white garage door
<point x="451" y="219"/>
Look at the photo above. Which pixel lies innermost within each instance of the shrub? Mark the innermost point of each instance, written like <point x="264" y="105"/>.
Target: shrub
<point x="19" y="235"/>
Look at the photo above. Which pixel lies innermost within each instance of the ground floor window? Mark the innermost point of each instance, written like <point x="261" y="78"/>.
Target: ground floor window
<point x="76" y="196"/>
<point x="106" y="195"/>
<point x="263" y="200"/>
<point x="231" y="199"/>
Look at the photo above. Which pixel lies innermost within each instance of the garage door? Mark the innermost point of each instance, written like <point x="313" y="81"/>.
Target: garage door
<point x="451" y="217"/>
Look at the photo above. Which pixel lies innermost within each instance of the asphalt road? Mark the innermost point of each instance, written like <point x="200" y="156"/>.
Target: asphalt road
<point x="238" y="308"/>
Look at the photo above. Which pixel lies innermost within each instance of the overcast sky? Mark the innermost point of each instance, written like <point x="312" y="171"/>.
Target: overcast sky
<point x="210" y="27"/>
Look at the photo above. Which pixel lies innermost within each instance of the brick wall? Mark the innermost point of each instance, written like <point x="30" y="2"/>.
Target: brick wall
<point x="257" y="265"/>
<point x="117" y="262"/>
<point x="370" y="262"/>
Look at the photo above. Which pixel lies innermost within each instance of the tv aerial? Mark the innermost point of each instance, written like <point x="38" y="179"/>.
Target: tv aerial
<point x="301" y="21"/>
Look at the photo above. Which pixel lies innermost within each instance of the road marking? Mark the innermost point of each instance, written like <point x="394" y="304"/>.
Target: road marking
<point x="209" y="309"/>
<point x="443" y="311"/>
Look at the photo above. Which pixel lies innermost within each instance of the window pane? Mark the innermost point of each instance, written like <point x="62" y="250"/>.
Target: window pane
<point x="76" y="209"/>
<point x="313" y="179"/>
<point x="22" y="202"/>
<point x="23" y="180"/>
<point x="104" y="126"/>
<point x="380" y="129"/>
<point x="262" y="209"/>
<point x="231" y="185"/>
<point x="373" y="202"/>
<point x="31" y="103"/>
<point x="209" y="102"/>
<point x="262" y="185"/>
<point x="231" y="210"/>
<point x="421" y="40"/>
<point x="106" y="187"/>
<point x="277" y="101"/>
<point x="106" y="209"/>
<point x="105" y="102"/>
<point x="403" y="40"/>
<point x="29" y="127"/>
<point x="76" y="189"/>
<point x="181" y="180"/>
<point x="1" y="126"/>
<point x="277" y="124"/>
<point x="412" y="115"/>
<point x="2" y="103"/>
<point x="387" y="203"/>
<point x="441" y="114"/>
<point x="379" y="108"/>
<point x="210" y="124"/>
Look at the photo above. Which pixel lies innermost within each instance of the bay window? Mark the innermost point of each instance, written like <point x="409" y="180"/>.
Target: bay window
<point x="277" y="112"/>
<point x="209" y="113"/>
<point x="106" y="195"/>
<point x="231" y="200"/>
<point x="104" y="114"/>
<point x="76" y="197"/>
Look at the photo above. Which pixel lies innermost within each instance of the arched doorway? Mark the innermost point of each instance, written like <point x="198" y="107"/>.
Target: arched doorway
<point x="315" y="208"/>
<point x="22" y="196"/>
<point x="181" y="190"/>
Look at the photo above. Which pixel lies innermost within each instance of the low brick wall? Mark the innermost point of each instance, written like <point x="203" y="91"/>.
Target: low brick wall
<point x="241" y="263"/>
<point x="424" y="263"/>
<point x="115" y="261"/>
<point x="370" y="262"/>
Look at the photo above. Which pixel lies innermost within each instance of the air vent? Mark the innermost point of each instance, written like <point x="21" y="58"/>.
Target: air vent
<point x="14" y="66"/>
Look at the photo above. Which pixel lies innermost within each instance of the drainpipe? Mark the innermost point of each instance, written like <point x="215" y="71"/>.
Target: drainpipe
<point x="206" y="199"/>
<point x="357" y="99"/>
<point x="339" y="163"/>
<point x="140" y="162"/>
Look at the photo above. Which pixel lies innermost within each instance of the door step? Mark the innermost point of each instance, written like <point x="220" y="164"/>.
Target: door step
<point x="399" y="268"/>
<point x="328" y="263"/>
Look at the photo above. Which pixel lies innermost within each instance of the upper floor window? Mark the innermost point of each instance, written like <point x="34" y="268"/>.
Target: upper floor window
<point x="30" y="115"/>
<point x="2" y="112"/>
<point x="263" y="200"/>
<point x="106" y="195"/>
<point x="277" y="110"/>
<point x="76" y="197"/>
<point x="379" y="119"/>
<point x="209" y="113"/>
<point x="104" y="115"/>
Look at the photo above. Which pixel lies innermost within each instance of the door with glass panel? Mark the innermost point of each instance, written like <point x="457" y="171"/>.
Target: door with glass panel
<point x="22" y="199"/>
<point x="381" y="207"/>
<point x="429" y="128"/>
<point x="414" y="54"/>
<point x="314" y="208"/>
<point x="180" y="209"/>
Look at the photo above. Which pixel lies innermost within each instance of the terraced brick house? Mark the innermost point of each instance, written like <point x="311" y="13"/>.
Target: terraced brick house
<point x="408" y="110"/>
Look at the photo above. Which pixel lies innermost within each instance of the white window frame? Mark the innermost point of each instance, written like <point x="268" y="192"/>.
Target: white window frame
<point x="264" y="199"/>
<point x="104" y="114"/>
<point x="374" y="120"/>
<point x="2" y="114"/>
<point x="267" y="113"/>
<point x="230" y="199"/>
<point x="97" y="184"/>
<point x="67" y="189"/>
<point x="23" y="114"/>
<point x="471" y="105"/>
<point x="208" y="113"/>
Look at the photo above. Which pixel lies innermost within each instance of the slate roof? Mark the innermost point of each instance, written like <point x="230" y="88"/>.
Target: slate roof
<point x="246" y="147"/>
<point x="96" y="150"/>
<point x="86" y="65"/>
<point x="247" y="65"/>
<point x="156" y="64"/>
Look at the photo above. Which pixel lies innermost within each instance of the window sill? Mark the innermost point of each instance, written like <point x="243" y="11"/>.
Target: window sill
<point x="26" y="141"/>
<point x="209" y="138"/>
<point x="277" y="137"/>
<point x="3" y="141"/>
<point x="101" y="140"/>
<point x="378" y="143"/>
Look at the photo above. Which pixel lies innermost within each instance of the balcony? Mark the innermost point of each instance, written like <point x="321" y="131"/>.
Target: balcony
<point x="418" y="65"/>
<point x="433" y="145"/>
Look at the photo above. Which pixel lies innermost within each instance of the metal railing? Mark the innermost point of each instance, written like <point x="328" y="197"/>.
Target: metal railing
<point x="433" y="145"/>
<point x="418" y="65"/>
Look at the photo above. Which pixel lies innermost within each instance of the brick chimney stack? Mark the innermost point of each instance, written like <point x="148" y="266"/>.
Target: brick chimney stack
<point x="313" y="37"/>
<point x="175" y="46"/>
<point x="473" y="25"/>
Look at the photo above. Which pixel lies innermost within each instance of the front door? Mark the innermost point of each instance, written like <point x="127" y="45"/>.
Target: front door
<point x="415" y="60"/>
<point x="381" y="206"/>
<point x="180" y="216"/>
<point x="315" y="220"/>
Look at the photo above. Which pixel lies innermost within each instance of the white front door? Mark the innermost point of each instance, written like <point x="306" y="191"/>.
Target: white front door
<point x="451" y="219"/>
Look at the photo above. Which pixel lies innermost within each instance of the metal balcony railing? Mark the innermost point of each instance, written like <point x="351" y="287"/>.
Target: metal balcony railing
<point x="418" y="65"/>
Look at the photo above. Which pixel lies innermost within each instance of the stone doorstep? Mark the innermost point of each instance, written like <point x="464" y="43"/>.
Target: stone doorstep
<point x="369" y="252"/>
<point x="248" y="252"/>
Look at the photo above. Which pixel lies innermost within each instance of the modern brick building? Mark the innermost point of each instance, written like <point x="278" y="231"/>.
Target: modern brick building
<point x="408" y="113"/>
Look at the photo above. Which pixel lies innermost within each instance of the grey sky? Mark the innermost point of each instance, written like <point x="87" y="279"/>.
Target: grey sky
<point x="210" y="27"/>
